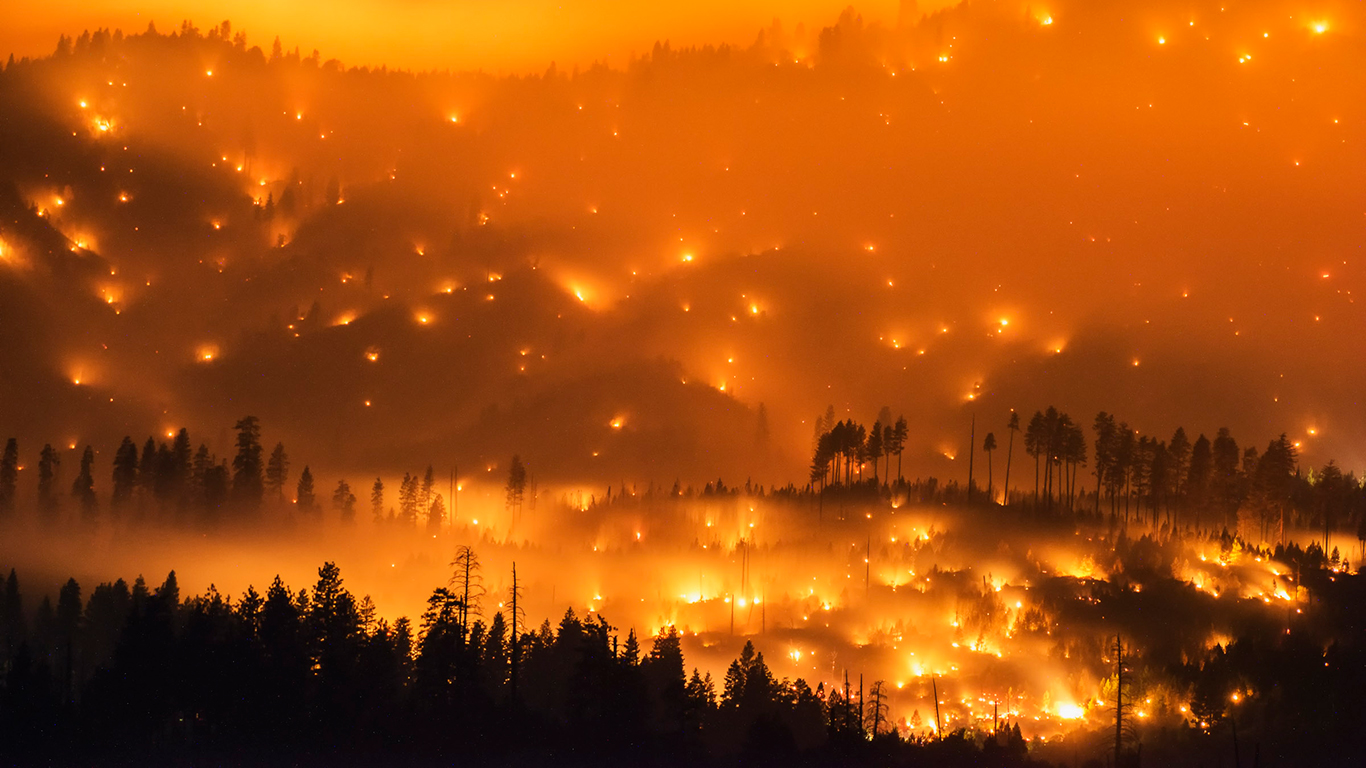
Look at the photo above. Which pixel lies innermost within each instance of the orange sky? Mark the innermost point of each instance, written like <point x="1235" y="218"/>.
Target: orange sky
<point x="512" y="35"/>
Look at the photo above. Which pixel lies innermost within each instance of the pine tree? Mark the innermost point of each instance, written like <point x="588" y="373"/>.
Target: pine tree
<point x="277" y="472"/>
<point x="424" y="497"/>
<point x="248" y="485"/>
<point x="900" y="432"/>
<point x="989" y="445"/>
<point x="436" y="513"/>
<point x="407" y="499"/>
<point x="377" y="500"/>
<point x="48" y="463"/>
<point x="1013" y="426"/>
<point x="874" y="446"/>
<point x="83" y="488"/>
<point x="344" y="502"/>
<point x="147" y="470"/>
<point x="304" y="497"/>
<point x="9" y="476"/>
<point x="1224" y="476"/>
<point x="124" y="473"/>
<point x="516" y="484"/>
<point x="179" y="467"/>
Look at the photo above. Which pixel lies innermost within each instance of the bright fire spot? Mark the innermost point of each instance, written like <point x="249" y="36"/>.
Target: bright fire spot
<point x="206" y="353"/>
<point x="617" y="422"/>
<point x="1070" y="711"/>
<point x="1320" y="27"/>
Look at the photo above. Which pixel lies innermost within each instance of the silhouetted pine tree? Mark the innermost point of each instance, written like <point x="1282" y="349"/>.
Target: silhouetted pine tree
<point x="248" y="483"/>
<point x="83" y="487"/>
<point x="9" y="476"/>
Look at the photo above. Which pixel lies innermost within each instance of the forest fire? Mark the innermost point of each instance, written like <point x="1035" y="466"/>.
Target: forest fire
<point x="650" y="376"/>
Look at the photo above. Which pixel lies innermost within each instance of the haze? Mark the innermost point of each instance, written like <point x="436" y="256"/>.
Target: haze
<point x="522" y="35"/>
<point x="647" y="250"/>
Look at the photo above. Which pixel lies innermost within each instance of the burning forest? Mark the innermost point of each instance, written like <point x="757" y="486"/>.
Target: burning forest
<point x="956" y="385"/>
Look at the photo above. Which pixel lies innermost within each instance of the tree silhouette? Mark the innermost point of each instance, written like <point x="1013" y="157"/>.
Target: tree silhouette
<point x="436" y="513"/>
<point x="176" y="473"/>
<point x="377" y="501"/>
<point x="9" y="476"/>
<point x="277" y="472"/>
<point x="467" y="583"/>
<point x="1013" y="425"/>
<point x="516" y="485"/>
<point x="424" y="497"/>
<point x="1036" y="445"/>
<point x="1074" y="453"/>
<point x="1273" y="483"/>
<point x="344" y="502"/>
<point x="517" y="641"/>
<point x="248" y="484"/>
<point x="875" y="718"/>
<point x="1106" y="449"/>
<point x="874" y="447"/>
<point x="148" y="467"/>
<point x="305" y="500"/>
<point x="1179" y="450"/>
<point x="48" y="464"/>
<point x="900" y="433"/>
<point x="1198" y="475"/>
<point x="83" y="487"/>
<point x="989" y="445"/>
<point x="1224" y="479"/>
<point x="407" y="499"/>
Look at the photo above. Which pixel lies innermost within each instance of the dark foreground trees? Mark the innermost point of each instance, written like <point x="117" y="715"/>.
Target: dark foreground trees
<point x="138" y="675"/>
<point x="134" y="675"/>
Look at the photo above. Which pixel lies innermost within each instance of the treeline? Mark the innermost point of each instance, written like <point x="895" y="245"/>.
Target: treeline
<point x="171" y="482"/>
<point x="1198" y="485"/>
<point x="132" y="674"/>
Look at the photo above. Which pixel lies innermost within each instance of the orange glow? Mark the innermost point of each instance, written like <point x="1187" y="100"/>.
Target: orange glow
<point x="900" y="256"/>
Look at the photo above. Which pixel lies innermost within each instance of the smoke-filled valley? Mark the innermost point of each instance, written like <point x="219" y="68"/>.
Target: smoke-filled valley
<point x="729" y="350"/>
